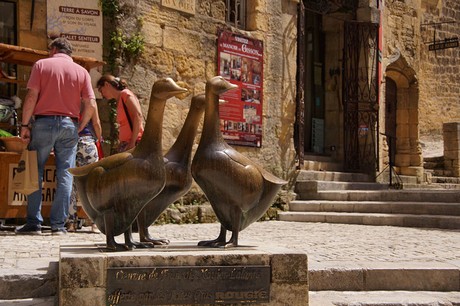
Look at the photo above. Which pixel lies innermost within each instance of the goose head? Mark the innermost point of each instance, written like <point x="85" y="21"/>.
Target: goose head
<point x="166" y="88"/>
<point x="219" y="85"/>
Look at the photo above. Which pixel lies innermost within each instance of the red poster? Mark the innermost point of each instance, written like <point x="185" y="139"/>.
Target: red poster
<point x="240" y="61"/>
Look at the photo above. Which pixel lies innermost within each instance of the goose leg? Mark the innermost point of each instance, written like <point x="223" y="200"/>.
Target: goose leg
<point x="219" y="241"/>
<point x="131" y="244"/>
<point x="233" y="242"/>
<point x="144" y="231"/>
<point x="112" y="245"/>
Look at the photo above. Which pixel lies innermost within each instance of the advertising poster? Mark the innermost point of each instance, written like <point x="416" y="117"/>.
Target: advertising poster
<point x="240" y="61"/>
<point x="80" y="22"/>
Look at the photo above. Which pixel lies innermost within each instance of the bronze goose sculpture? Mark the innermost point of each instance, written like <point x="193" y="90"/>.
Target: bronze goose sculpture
<point x="239" y="190"/>
<point x="115" y="189"/>
<point x="178" y="172"/>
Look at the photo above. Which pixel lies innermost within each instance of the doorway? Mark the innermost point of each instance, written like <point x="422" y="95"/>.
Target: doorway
<point x="390" y="118"/>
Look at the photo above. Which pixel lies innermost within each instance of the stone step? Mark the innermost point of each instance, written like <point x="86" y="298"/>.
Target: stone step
<point x="48" y="301"/>
<point x="375" y="276"/>
<point x="413" y="195"/>
<point x="445" y="180"/>
<point x="384" y="298"/>
<point x="416" y="208"/>
<point x="28" y="284"/>
<point x="322" y="166"/>
<point x="333" y="176"/>
<point x="313" y="186"/>
<point x="433" y="186"/>
<point x="404" y="220"/>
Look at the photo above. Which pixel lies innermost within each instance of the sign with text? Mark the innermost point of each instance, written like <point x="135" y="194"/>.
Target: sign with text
<point x="240" y="61"/>
<point x="186" y="6"/>
<point x="48" y="189"/>
<point x="444" y="44"/>
<point x="187" y="285"/>
<point x="80" y="22"/>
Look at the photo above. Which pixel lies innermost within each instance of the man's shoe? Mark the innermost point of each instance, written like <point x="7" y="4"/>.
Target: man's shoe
<point x="28" y="229"/>
<point x="59" y="232"/>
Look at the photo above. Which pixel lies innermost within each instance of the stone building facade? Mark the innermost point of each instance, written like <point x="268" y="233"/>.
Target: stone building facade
<point x="349" y="82"/>
<point x="426" y="81"/>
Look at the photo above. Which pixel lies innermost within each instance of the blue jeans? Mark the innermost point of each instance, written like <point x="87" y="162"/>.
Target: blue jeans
<point x="61" y="134"/>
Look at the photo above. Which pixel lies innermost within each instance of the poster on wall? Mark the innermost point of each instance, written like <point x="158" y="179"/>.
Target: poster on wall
<point x="240" y="61"/>
<point x="81" y="23"/>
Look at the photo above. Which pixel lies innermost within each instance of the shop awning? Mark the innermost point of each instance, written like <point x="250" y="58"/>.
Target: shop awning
<point x="26" y="56"/>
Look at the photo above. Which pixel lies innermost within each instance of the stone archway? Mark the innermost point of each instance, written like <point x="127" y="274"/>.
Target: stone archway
<point x="407" y="150"/>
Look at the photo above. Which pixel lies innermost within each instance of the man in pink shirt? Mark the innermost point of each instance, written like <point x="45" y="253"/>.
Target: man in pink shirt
<point x="58" y="90"/>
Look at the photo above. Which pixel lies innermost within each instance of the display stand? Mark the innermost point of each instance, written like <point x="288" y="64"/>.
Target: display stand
<point x="13" y="204"/>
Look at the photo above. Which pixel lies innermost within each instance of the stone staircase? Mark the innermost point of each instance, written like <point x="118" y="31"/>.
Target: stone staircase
<point x="352" y="198"/>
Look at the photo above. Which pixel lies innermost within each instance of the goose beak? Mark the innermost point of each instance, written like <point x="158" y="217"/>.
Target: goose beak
<point x="231" y="86"/>
<point x="176" y="87"/>
<point x="181" y="94"/>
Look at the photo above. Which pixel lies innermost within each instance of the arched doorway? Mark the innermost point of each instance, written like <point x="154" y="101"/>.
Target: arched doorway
<point x="401" y="117"/>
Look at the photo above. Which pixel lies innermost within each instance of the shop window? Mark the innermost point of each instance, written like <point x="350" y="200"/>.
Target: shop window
<point x="8" y="35"/>
<point x="236" y="13"/>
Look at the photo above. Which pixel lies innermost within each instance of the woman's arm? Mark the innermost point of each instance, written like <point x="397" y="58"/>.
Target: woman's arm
<point x="97" y="124"/>
<point x="135" y="113"/>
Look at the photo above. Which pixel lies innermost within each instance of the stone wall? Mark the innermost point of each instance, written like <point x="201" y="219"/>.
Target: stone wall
<point x="184" y="47"/>
<point x="439" y="70"/>
<point x="429" y="77"/>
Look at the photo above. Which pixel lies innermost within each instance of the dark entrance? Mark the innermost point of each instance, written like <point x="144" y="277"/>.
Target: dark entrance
<point x="390" y="117"/>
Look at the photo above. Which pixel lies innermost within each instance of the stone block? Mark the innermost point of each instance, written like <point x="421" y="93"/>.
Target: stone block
<point x="291" y="268"/>
<point x="86" y="272"/>
<point x="82" y="296"/>
<point x="412" y="279"/>
<point x="451" y="127"/>
<point x="289" y="294"/>
<point x="402" y="160"/>
<point x="181" y="41"/>
<point x="288" y="271"/>
<point x="337" y="279"/>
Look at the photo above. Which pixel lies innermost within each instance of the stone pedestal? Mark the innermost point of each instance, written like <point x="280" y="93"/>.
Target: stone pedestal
<point x="88" y="275"/>
<point x="451" y="136"/>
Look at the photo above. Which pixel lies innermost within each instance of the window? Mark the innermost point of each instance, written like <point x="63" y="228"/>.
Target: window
<point x="8" y="22"/>
<point x="8" y="35"/>
<point x="236" y="13"/>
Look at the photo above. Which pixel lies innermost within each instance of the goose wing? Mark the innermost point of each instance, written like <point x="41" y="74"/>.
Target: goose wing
<point x="106" y="163"/>
<point x="240" y="158"/>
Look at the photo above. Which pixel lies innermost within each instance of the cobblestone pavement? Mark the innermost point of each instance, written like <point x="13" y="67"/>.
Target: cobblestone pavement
<point x="321" y="241"/>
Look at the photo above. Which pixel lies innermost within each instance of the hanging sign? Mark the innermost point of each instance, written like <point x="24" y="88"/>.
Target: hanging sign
<point x="444" y="44"/>
<point x="240" y="61"/>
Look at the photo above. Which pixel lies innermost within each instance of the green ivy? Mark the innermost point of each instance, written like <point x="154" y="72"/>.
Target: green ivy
<point x="110" y="8"/>
<point x="114" y="129"/>
<point x="127" y="47"/>
<point x="122" y="46"/>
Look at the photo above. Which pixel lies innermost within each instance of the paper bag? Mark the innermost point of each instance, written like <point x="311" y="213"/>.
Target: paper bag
<point x="26" y="179"/>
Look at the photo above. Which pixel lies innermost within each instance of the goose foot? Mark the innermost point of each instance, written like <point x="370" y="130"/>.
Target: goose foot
<point x="129" y="241"/>
<point x="156" y="241"/>
<point x="139" y="245"/>
<point x="116" y="247"/>
<point x="212" y="243"/>
<point x="218" y="242"/>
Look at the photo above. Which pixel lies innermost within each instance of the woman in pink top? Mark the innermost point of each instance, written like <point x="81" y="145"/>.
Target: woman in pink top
<point x="129" y="115"/>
